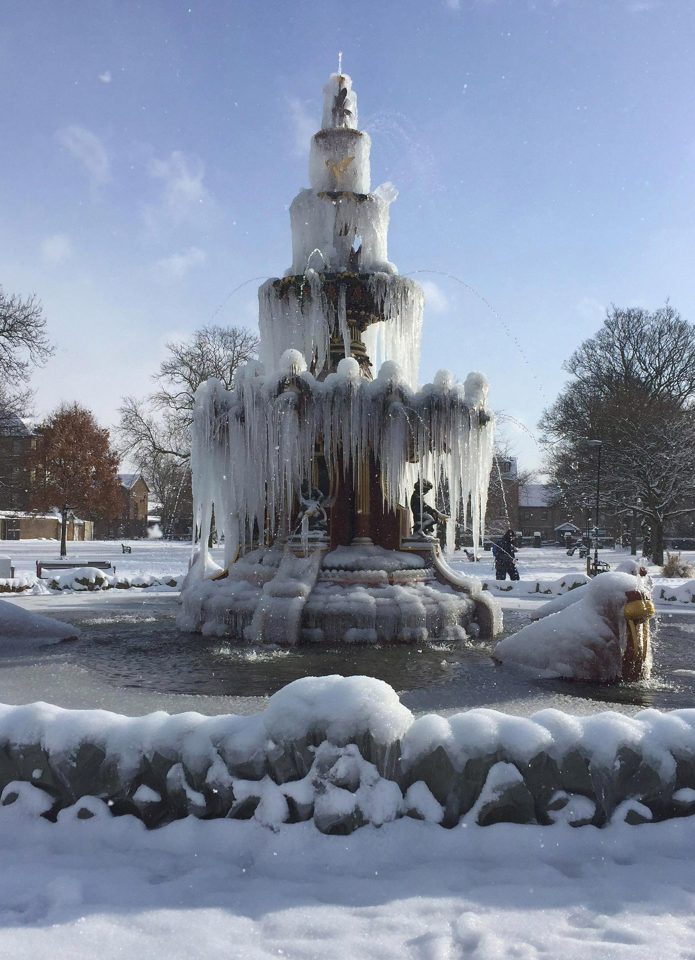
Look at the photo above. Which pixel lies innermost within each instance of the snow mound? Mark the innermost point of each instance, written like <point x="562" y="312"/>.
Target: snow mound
<point x="587" y="640"/>
<point x="19" y="628"/>
<point x="341" y="707"/>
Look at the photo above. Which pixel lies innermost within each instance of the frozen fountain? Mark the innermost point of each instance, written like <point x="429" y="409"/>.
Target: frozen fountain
<point x="308" y="465"/>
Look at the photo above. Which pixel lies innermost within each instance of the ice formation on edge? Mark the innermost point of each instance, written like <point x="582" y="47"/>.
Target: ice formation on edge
<point x="311" y="414"/>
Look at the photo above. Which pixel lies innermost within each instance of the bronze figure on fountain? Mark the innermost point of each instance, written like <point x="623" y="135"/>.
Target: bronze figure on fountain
<point x="425" y="516"/>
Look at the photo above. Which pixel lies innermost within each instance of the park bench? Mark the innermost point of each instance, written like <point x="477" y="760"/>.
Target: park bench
<point x="71" y="564"/>
<point x="126" y="548"/>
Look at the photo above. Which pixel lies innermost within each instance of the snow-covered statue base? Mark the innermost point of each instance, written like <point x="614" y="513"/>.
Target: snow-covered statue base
<point x="355" y="594"/>
<point x="599" y="633"/>
<point x="309" y="463"/>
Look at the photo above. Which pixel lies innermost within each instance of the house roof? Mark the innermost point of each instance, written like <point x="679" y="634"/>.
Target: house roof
<point x="537" y="495"/>
<point x="13" y="426"/>
<point x="128" y="480"/>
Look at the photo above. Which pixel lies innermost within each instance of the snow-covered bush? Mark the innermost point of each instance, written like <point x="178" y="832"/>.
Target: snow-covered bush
<point x="675" y="566"/>
<point x="93" y="578"/>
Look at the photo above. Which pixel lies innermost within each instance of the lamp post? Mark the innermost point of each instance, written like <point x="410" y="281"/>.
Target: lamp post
<point x="633" y="539"/>
<point x="598" y="444"/>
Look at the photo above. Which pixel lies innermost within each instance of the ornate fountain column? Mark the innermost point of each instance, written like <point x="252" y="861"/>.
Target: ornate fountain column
<point x="342" y="292"/>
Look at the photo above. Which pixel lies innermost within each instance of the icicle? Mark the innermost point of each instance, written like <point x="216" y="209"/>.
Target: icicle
<point x="254" y="446"/>
<point x="342" y="321"/>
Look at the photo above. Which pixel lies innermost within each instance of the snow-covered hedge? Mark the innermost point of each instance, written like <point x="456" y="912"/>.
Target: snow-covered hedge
<point x="92" y="578"/>
<point x="549" y="587"/>
<point x="663" y="590"/>
<point x="345" y="752"/>
<point x="16" y="584"/>
<point x="685" y="593"/>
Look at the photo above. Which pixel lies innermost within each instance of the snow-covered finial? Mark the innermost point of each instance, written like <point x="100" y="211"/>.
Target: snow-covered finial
<point x="339" y="102"/>
<point x="340" y="62"/>
<point x="476" y="389"/>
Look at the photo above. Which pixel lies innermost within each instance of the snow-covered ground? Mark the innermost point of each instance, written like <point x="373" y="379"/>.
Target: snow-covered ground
<point x="157" y="557"/>
<point x="109" y="888"/>
<point x="77" y="890"/>
<point x="163" y="557"/>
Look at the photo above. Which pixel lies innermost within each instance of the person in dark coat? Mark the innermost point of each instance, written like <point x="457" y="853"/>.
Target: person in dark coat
<point x="505" y="552"/>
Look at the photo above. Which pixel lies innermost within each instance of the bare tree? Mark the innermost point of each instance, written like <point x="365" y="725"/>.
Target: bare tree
<point x="154" y="432"/>
<point x="647" y="354"/>
<point x="211" y="352"/>
<point x="633" y="389"/>
<point x="160" y="424"/>
<point x="23" y="345"/>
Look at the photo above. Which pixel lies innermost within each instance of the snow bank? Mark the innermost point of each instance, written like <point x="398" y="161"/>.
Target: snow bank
<point x="586" y="640"/>
<point x="20" y="628"/>
<point x="344" y="752"/>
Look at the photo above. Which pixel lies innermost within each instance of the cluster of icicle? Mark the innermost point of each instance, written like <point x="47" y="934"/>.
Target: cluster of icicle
<point x="253" y="446"/>
<point x="306" y="323"/>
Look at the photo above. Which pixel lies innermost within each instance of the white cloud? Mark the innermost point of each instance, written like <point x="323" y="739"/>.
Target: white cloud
<point x="436" y="300"/>
<point x="105" y="77"/>
<point x="87" y="149"/>
<point x="178" y="265"/>
<point x="184" y="192"/>
<point x="56" y="249"/>
<point x="304" y="126"/>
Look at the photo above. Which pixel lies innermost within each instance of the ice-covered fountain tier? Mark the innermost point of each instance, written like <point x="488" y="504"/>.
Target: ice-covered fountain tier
<point x="309" y="464"/>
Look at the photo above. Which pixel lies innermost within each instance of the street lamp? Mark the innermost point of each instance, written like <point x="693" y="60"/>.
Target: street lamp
<point x="598" y="444"/>
<point x="633" y="539"/>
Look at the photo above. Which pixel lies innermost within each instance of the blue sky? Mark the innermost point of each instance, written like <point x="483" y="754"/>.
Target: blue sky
<point x="544" y="151"/>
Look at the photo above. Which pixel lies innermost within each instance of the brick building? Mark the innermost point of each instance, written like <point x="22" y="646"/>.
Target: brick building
<point x="132" y="523"/>
<point x="17" y="441"/>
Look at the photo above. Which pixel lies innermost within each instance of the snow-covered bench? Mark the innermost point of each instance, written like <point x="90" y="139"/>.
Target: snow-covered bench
<point x="66" y="564"/>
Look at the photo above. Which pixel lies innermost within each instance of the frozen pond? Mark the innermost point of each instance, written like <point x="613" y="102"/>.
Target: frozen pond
<point x="132" y="658"/>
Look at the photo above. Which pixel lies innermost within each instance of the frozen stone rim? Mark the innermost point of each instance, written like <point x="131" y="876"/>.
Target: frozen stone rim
<point x="344" y="752"/>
